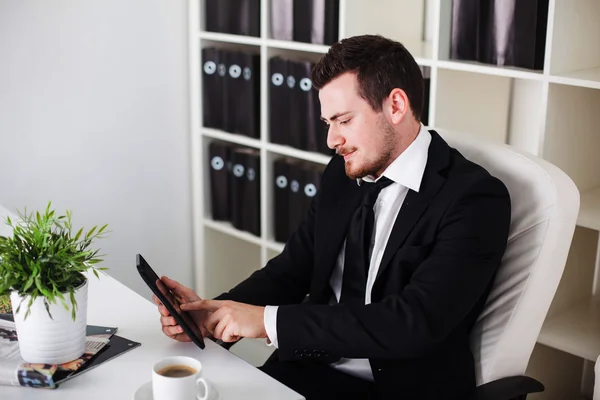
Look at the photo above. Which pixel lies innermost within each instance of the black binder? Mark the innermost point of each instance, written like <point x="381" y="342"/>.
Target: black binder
<point x="216" y="16"/>
<point x="245" y="189"/>
<point x="312" y="182"/>
<point x="246" y="17"/>
<point x="332" y="21"/>
<point x="500" y="32"/>
<point x="316" y="21"/>
<point x="251" y="196"/>
<point x="305" y="102"/>
<point x="515" y="31"/>
<point x="243" y="93"/>
<point x="214" y="101"/>
<point x="219" y="155"/>
<point x="467" y="28"/>
<point x="238" y="179"/>
<point x="281" y="199"/>
<point x="426" y="93"/>
<point x="279" y="101"/>
<point x="282" y="19"/>
<point x="297" y="181"/>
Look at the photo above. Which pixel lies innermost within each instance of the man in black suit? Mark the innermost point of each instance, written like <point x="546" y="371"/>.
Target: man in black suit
<point x="397" y="253"/>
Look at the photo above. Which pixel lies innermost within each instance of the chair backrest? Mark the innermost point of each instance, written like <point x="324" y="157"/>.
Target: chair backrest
<point x="545" y="204"/>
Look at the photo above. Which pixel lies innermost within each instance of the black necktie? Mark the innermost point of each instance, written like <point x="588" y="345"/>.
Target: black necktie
<point x="358" y="240"/>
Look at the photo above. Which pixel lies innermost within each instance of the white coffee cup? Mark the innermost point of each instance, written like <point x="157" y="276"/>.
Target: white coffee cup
<point x="179" y="378"/>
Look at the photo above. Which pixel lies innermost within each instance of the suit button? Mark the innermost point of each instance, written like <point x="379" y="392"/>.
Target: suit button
<point x="297" y="352"/>
<point x="380" y="369"/>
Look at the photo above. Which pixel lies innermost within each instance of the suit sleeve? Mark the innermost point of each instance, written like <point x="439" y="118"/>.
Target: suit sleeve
<point x="443" y="290"/>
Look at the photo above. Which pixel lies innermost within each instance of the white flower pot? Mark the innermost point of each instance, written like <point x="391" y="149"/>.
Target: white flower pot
<point x="51" y="341"/>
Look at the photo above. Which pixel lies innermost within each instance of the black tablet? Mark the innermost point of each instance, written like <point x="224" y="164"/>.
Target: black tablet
<point x="169" y="301"/>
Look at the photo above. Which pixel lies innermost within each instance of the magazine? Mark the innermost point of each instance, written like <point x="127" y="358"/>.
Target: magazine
<point x="101" y="345"/>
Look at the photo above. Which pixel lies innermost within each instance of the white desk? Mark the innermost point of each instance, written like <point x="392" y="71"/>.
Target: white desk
<point x="112" y="304"/>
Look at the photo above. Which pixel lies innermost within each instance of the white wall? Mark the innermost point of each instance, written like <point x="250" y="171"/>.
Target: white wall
<point x="94" y="116"/>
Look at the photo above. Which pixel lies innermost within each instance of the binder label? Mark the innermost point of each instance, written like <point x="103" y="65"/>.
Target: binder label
<point x="235" y="71"/>
<point x="310" y="190"/>
<point x="295" y="186"/>
<point x="277" y="79"/>
<point x="291" y="81"/>
<point x="210" y="67"/>
<point x="281" y="181"/>
<point x="305" y="84"/>
<point x="238" y="170"/>
<point x="217" y="163"/>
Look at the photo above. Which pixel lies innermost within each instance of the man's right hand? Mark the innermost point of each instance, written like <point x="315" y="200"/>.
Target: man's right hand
<point x="184" y="295"/>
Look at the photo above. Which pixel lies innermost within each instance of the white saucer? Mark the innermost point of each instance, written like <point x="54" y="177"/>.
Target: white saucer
<point x="144" y="392"/>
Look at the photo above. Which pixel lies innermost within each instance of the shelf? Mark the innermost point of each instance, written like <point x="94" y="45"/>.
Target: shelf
<point x="576" y="330"/>
<point x="301" y="154"/>
<point x="589" y="210"/>
<point x="231" y="137"/>
<point x="589" y="78"/>
<point x="298" y="46"/>
<point x="229" y="38"/>
<point x="510" y="72"/>
<point x="227" y="228"/>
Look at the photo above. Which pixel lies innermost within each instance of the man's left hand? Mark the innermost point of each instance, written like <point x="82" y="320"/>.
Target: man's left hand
<point x="230" y="321"/>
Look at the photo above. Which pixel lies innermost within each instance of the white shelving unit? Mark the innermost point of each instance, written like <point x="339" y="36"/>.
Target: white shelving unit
<point x="553" y="113"/>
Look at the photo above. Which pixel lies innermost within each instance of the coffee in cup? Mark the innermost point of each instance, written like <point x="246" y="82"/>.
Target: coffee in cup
<point x="177" y="371"/>
<point x="179" y="378"/>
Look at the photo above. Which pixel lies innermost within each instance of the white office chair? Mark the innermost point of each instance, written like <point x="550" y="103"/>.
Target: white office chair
<point x="545" y="204"/>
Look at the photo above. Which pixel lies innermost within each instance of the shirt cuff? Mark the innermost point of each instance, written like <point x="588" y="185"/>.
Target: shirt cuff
<point x="270" y="321"/>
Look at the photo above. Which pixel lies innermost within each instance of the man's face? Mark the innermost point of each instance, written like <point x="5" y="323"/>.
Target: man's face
<point x="362" y="136"/>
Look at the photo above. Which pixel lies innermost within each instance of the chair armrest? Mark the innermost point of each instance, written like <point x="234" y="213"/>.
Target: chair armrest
<point x="513" y="387"/>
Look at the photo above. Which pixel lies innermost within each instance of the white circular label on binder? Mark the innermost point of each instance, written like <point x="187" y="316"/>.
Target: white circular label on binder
<point x="295" y="186"/>
<point x="222" y="70"/>
<point x="277" y="79"/>
<point x="235" y="71"/>
<point x="238" y="170"/>
<point x="217" y="163"/>
<point x="310" y="190"/>
<point x="210" y="67"/>
<point x="247" y="73"/>
<point x="291" y="81"/>
<point x="281" y="181"/>
<point x="251" y="174"/>
<point x="305" y="84"/>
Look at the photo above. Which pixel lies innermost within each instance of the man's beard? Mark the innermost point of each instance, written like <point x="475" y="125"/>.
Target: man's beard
<point x="372" y="167"/>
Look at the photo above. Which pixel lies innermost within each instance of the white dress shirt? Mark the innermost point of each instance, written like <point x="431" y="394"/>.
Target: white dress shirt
<point x="407" y="173"/>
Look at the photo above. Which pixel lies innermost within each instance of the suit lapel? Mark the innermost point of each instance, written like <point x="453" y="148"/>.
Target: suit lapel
<point x="333" y="229"/>
<point x="415" y="203"/>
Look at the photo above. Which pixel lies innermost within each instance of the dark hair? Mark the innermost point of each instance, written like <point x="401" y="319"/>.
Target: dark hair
<point x="380" y="64"/>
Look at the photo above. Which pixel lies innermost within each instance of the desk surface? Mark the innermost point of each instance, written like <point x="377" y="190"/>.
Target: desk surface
<point x="112" y="304"/>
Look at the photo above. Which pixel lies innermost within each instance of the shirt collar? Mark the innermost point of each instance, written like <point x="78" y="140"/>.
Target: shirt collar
<point x="408" y="168"/>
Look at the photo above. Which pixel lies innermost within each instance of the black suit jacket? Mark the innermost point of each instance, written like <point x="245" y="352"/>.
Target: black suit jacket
<point x="434" y="278"/>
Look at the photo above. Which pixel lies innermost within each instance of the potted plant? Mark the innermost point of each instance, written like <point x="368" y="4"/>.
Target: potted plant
<point x="44" y="266"/>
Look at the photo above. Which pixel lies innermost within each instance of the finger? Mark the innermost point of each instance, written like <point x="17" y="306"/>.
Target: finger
<point x="172" y="331"/>
<point x="219" y="329"/>
<point x="207" y="305"/>
<point x="229" y="334"/>
<point x="163" y="310"/>
<point x="178" y="289"/>
<point x="156" y="300"/>
<point x="168" y="321"/>
<point x="212" y="321"/>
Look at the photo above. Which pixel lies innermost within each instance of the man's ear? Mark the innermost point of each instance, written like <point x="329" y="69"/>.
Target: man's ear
<point x="399" y="105"/>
